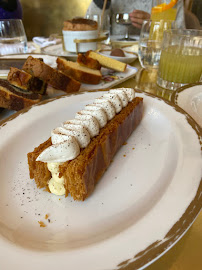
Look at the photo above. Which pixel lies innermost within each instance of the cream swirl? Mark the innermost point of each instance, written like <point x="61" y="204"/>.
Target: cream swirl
<point x="89" y="122"/>
<point x="79" y="131"/>
<point x="107" y="106"/>
<point x="61" y="152"/>
<point x="122" y="95"/>
<point x="115" y="100"/>
<point x="130" y="92"/>
<point x="97" y="112"/>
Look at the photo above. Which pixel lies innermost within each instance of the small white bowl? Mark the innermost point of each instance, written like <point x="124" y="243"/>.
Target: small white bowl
<point x="70" y="36"/>
<point x="128" y="59"/>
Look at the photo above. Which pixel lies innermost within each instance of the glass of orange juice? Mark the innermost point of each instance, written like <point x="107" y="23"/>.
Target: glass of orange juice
<point x="181" y="58"/>
<point x="164" y="10"/>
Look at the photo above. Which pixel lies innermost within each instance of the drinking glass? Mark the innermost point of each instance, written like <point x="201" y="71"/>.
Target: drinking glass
<point x="106" y="22"/>
<point x="164" y="10"/>
<point x="181" y="58"/>
<point x="150" y="42"/>
<point x="124" y="19"/>
<point x="12" y="37"/>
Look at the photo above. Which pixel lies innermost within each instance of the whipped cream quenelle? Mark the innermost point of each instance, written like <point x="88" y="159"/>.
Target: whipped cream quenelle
<point x="75" y="134"/>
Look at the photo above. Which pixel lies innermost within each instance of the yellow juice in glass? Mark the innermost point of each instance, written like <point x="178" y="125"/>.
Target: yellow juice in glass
<point x="181" y="64"/>
<point x="165" y="14"/>
<point x="164" y="11"/>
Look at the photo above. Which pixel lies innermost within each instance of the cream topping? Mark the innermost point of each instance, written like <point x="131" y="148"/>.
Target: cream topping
<point x="98" y="112"/>
<point x="122" y="95"/>
<point x="79" y="132"/>
<point x="107" y="106"/>
<point x="130" y="92"/>
<point x="61" y="152"/>
<point x="90" y="122"/>
<point x="56" y="183"/>
<point x="115" y="100"/>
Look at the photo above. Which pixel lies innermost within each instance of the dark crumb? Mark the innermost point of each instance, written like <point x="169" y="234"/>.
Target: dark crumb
<point x="115" y="177"/>
<point x="49" y="220"/>
<point x="21" y="217"/>
<point x="39" y="214"/>
<point x="131" y="185"/>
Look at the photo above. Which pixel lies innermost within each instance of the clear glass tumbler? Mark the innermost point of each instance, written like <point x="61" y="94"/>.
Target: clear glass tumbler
<point x="13" y="39"/>
<point x="181" y="58"/>
<point x="150" y="42"/>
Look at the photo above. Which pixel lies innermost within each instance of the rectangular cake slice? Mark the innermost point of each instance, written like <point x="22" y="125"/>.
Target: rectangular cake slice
<point x="83" y="172"/>
<point x="78" y="72"/>
<point x="107" y="61"/>
<point x="51" y="76"/>
<point x="25" y="81"/>
<point x="13" y="98"/>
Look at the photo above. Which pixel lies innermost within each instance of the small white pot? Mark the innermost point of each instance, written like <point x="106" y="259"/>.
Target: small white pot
<point x="70" y="36"/>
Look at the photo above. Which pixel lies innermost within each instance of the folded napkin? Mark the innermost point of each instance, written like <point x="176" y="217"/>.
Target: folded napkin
<point x="44" y="42"/>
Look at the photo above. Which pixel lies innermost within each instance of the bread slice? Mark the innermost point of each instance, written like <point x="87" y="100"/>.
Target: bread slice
<point x="13" y="98"/>
<point x="55" y="78"/>
<point x="82" y="173"/>
<point x="25" y="81"/>
<point x="107" y="61"/>
<point x="85" y="61"/>
<point x="78" y="72"/>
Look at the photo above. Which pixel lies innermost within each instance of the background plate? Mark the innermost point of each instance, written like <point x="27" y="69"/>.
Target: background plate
<point x="143" y="204"/>
<point x="189" y="98"/>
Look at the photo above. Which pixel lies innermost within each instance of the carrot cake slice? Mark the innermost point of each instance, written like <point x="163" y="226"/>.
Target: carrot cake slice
<point x="78" y="153"/>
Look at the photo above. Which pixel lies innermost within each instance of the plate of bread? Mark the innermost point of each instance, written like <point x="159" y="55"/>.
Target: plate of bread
<point x="28" y="79"/>
<point x="97" y="180"/>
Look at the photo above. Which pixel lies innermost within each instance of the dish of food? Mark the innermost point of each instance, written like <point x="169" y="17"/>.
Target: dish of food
<point x="128" y="58"/>
<point x="189" y="98"/>
<point x="150" y="184"/>
<point x="79" y="151"/>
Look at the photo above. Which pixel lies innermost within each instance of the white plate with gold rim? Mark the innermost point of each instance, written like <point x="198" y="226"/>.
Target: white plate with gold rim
<point x="144" y="203"/>
<point x="189" y="98"/>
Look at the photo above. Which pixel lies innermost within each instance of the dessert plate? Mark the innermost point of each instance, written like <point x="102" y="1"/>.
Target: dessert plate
<point x="189" y="98"/>
<point x="128" y="59"/>
<point x="144" y="203"/>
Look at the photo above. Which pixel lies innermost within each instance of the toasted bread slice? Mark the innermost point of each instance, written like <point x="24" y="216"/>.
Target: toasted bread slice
<point x="25" y="81"/>
<point x="13" y="98"/>
<point x="107" y="61"/>
<point x="85" y="61"/>
<point x="51" y="76"/>
<point x="78" y="72"/>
